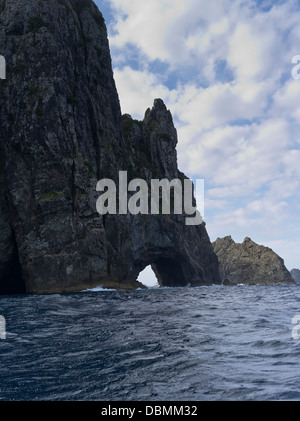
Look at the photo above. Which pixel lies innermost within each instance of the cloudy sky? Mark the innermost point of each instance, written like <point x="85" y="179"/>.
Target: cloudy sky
<point x="224" y="69"/>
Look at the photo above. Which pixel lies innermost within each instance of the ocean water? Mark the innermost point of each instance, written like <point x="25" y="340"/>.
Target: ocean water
<point x="186" y="344"/>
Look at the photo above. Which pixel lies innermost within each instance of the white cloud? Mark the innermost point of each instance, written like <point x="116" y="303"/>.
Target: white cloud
<point x="146" y="25"/>
<point x="137" y="90"/>
<point x="286" y="100"/>
<point x="240" y="159"/>
<point x="245" y="53"/>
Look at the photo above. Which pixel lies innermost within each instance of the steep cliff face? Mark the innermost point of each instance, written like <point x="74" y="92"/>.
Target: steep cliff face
<point x="61" y="131"/>
<point x="249" y="263"/>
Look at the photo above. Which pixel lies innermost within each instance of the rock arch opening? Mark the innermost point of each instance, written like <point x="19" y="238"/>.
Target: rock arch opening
<point x="148" y="278"/>
<point x="162" y="272"/>
<point x="169" y="272"/>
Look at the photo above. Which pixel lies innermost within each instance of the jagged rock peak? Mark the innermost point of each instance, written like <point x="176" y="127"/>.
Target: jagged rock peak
<point x="160" y="110"/>
<point x="152" y="142"/>
<point x="249" y="263"/>
<point x="159" y="104"/>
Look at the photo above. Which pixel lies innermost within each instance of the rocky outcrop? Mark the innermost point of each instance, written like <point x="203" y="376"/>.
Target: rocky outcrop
<point x="179" y="254"/>
<point x="295" y="274"/>
<point x="249" y="263"/>
<point x="61" y="131"/>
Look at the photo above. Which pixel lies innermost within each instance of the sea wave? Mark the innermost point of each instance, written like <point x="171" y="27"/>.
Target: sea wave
<point x="206" y="343"/>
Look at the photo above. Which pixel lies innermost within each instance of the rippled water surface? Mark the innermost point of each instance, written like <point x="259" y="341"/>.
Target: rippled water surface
<point x="214" y="343"/>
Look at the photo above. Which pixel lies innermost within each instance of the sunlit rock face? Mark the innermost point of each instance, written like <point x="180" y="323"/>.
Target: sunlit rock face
<point x="249" y="263"/>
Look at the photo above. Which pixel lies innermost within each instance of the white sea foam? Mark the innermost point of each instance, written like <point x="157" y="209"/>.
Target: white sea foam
<point x="153" y="287"/>
<point x="98" y="289"/>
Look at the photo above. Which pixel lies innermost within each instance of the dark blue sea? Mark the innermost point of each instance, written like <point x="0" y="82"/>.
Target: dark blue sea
<point x="196" y="344"/>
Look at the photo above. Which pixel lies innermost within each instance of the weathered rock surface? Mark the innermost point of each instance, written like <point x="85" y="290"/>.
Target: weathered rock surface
<point x="61" y="131"/>
<point x="295" y="274"/>
<point x="179" y="254"/>
<point x="249" y="263"/>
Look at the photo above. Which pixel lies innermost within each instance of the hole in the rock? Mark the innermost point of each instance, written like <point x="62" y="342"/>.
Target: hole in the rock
<point x="147" y="277"/>
<point x="170" y="272"/>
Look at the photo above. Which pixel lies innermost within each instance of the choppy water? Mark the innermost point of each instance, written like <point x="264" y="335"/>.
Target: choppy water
<point x="214" y="343"/>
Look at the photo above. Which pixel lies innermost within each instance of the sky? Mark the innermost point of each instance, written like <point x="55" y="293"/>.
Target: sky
<point x="224" y="70"/>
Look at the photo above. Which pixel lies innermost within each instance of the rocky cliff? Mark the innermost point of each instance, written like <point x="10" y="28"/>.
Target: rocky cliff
<point x="295" y="274"/>
<point x="249" y="263"/>
<point x="61" y="131"/>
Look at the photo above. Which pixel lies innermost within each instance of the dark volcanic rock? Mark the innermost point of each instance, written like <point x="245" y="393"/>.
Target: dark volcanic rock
<point x="61" y="131"/>
<point x="295" y="274"/>
<point x="249" y="263"/>
<point x="179" y="254"/>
